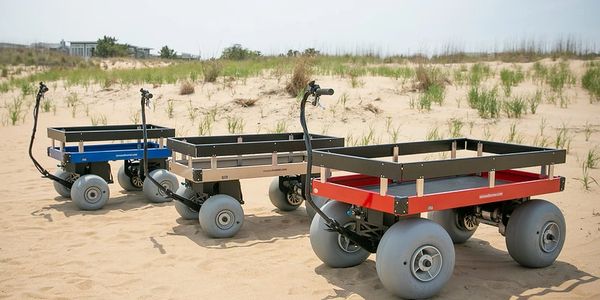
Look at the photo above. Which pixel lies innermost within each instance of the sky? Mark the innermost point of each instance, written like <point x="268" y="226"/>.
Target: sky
<point x="274" y="26"/>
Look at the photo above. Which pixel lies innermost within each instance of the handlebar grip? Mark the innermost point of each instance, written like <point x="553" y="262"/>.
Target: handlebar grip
<point x="320" y="92"/>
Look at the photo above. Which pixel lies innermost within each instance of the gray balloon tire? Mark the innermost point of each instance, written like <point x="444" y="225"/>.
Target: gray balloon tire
<point x="447" y="219"/>
<point x="87" y="186"/>
<point x="279" y="198"/>
<point x="185" y="211"/>
<point x="325" y="244"/>
<point x="152" y="192"/>
<point x="58" y="187"/>
<point x="524" y="229"/>
<point x="125" y="181"/>
<point x="397" y="249"/>
<point x="319" y="201"/>
<point x="212" y="208"/>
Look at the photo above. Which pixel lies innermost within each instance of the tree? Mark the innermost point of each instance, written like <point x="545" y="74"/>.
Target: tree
<point x="108" y="47"/>
<point x="166" y="52"/>
<point x="237" y="52"/>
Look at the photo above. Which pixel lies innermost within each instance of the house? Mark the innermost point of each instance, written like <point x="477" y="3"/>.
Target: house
<point x="82" y="48"/>
<point x="87" y="49"/>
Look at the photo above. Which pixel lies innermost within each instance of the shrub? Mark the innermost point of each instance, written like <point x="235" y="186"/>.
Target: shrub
<point x="428" y="76"/>
<point x="244" y="102"/>
<point x="211" y="70"/>
<point x="237" y="52"/>
<point x="186" y="88"/>
<point x="300" y="77"/>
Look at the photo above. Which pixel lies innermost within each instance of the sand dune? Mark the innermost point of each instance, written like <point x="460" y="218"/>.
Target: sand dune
<point x="134" y="249"/>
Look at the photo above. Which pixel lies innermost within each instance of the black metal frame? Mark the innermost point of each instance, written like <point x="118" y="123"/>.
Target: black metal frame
<point x="107" y="133"/>
<point x="207" y="146"/>
<point x="362" y="159"/>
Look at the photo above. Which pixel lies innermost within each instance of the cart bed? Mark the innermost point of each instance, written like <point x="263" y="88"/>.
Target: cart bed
<point x="232" y="157"/>
<point x="439" y="185"/>
<point x="107" y="152"/>
<point x="107" y="133"/>
<point x="404" y="188"/>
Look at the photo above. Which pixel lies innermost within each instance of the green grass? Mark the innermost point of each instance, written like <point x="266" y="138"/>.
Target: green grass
<point x="534" y="101"/>
<point x="170" y="108"/>
<point x="15" y="110"/>
<point x="558" y="76"/>
<point x="513" y="134"/>
<point x="510" y="78"/>
<point x="235" y="125"/>
<point x="586" y="179"/>
<point x="434" y="134"/>
<point x="562" y="140"/>
<point x="591" y="81"/>
<point x="280" y="127"/>
<point x="515" y="107"/>
<point x="485" y="101"/>
<point x="46" y="104"/>
<point x="98" y="119"/>
<point x="479" y="72"/>
<point x="454" y="127"/>
<point x="592" y="158"/>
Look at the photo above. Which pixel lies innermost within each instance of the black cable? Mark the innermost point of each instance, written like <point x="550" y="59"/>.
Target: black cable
<point x="36" y="110"/>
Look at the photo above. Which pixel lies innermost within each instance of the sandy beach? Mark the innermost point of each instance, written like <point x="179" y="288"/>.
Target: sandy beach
<point x="134" y="249"/>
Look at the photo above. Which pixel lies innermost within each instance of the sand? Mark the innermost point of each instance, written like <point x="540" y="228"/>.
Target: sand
<point x="134" y="249"/>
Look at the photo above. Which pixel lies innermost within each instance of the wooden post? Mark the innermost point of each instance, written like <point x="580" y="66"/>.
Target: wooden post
<point x="420" y="186"/>
<point x="325" y="173"/>
<point x="383" y="186"/>
<point x="492" y="178"/>
<point x="213" y="162"/>
<point x="453" y="152"/>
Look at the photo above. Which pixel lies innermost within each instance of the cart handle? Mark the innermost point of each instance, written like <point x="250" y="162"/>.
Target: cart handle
<point x="36" y="110"/>
<point x="365" y="242"/>
<point x="145" y="101"/>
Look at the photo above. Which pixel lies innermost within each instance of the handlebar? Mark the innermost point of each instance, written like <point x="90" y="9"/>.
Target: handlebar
<point x="315" y="90"/>
<point x="42" y="90"/>
<point x="146" y="94"/>
<point x="320" y="92"/>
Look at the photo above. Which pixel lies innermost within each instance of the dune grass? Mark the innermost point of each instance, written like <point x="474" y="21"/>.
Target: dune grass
<point x="510" y="78"/>
<point x="485" y="101"/>
<point x="591" y="81"/>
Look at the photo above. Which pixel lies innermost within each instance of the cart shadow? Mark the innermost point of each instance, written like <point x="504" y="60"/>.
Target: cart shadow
<point x="123" y="201"/>
<point x="256" y="230"/>
<point x="480" y="271"/>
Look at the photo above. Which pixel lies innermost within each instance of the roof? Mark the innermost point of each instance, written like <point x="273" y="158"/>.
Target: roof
<point x="83" y="42"/>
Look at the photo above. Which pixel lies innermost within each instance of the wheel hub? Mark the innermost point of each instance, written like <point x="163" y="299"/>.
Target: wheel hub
<point x="72" y="177"/>
<point x="294" y="199"/>
<point x="93" y="194"/>
<point x="550" y="237"/>
<point x="167" y="185"/>
<point x="426" y="263"/>
<point x="137" y="181"/>
<point x="467" y="221"/>
<point x="345" y="243"/>
<point x="225" y="219"/>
